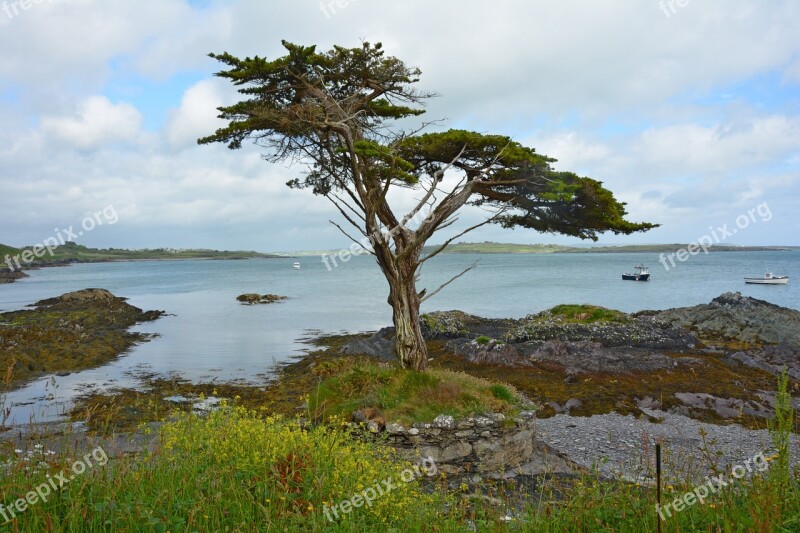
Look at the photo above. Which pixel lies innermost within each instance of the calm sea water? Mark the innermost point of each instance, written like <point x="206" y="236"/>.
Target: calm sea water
<point x="211" y="336"/>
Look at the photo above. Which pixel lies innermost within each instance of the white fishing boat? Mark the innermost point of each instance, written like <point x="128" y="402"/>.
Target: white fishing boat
<point x="768" y="279"/>
<point x="296" y="266"/>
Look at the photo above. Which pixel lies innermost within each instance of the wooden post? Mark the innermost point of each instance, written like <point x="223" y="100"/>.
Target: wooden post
<point x="658" y="484"/>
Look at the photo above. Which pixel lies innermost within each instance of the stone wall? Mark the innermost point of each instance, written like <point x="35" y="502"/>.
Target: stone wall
<point x="490" y="445"/>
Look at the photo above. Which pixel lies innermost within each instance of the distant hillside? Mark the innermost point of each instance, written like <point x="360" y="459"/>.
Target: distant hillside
<point x="7" y="250"/>
<point x="506" y="248"/>
<point x="497" y="248"/>
<point x="76" y="253"/>
<point x="672" y="248"/>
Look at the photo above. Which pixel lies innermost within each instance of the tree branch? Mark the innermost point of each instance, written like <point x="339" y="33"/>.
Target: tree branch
<point x="448" y="241"/>
<point x="351" y="238"/>
<point x="451" y="280"/>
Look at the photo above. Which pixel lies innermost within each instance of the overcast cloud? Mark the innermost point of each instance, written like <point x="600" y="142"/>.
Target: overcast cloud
<point x="691" y="114"/>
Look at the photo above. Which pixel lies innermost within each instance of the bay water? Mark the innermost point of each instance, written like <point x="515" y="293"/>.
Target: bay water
<point x="208" y="335"/>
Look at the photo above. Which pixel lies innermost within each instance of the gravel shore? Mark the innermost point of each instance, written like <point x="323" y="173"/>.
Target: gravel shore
<point x="625" y="446"/>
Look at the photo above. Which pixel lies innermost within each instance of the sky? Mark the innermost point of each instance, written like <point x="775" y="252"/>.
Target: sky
<point x="688" y="110"/>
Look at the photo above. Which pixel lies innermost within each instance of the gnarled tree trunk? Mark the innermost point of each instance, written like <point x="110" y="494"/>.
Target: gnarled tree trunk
<point x="410" y="346"/>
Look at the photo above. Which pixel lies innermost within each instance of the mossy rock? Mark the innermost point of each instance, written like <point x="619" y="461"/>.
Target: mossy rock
<point x="253" y="298"/>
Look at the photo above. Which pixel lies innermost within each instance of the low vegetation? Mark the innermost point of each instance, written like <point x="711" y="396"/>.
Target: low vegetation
<point x="71" y="252"/>
<point x="587" y="313"/>
<point x="234" y="470"/>
<point x="407" y="396"/>
<point x="240" y="469"/>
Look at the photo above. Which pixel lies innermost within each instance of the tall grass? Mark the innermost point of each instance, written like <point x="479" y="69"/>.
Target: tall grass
<point x="232" y="470"/>
<point x="239" y="470"/>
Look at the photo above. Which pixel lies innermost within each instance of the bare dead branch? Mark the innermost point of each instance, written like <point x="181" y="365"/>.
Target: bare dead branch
<point x="451" y="280"/>
<point x="351" y="238"/>
<point x="437" y="176"/>
<point x="450" y="240"/>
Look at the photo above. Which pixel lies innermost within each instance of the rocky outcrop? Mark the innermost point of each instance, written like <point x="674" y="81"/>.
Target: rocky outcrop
<point x="10" y="276"/>
<point x="642" y="332"/>
<point x="456" y="324"/>
<point x="74" y="331"/>
<point x="81" y="297"/>
<point x="379" y="345"/>
<point x="739" y="318"/>
<point x="253" y="298"/>
<point x="491" y="352"/>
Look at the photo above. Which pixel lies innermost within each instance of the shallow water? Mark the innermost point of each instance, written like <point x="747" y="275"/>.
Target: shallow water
<point x="210" y="335"/>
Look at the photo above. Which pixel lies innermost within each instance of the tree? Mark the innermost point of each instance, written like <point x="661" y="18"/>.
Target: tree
<point x="337" y="113"/>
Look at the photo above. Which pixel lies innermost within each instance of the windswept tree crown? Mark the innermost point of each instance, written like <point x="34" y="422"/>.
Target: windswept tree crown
<point x="335" y="111"/>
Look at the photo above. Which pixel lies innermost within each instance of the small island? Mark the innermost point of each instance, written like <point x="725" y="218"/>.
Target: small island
<point x="252" y="298"/>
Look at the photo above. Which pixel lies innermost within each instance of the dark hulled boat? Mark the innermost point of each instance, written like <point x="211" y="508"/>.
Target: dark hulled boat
<point x="642" y="273"/>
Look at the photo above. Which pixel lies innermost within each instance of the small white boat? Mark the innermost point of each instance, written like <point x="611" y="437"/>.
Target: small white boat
<point x="296" y="266"/>
<point x="768" y="279"/>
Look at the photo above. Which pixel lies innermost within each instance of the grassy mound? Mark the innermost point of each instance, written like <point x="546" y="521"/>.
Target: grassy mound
<point x="587" y="313"/>
<point x="407" y="396"/>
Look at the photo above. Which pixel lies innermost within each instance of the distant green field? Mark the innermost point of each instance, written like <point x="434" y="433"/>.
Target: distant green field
<point x="497" y="248"/>
<point x="78" y="253"/>
<point x="507" y="248"/>
<point x="7" y="250"/>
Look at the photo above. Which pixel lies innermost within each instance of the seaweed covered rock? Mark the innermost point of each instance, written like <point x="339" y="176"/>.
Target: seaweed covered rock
<point x="10" y="276"/>
<point x="738" y="318"/>
<point x="74" y="331"/>
<point x="624" y="330"/>
<point x="253" y="298"/>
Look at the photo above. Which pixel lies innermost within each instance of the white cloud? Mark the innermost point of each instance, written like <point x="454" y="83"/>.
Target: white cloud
<point x="556" y="75"/>
<point x="197" y="115"/>
<point x="95" y="122"/>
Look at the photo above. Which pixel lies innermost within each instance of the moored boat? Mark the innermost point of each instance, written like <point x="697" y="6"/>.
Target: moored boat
<point x="642" y="273"/>
<point x="768" y="279"/>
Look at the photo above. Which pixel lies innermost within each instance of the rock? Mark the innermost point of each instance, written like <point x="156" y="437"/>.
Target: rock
<point x="395" y="429"/>
<point x="379" y="345"/>
<point x="773" y="359"/>
<point x="590" y="356"/>
<point x="455" y="450"/>
<point x="413" y="431"/>
<point x="371" y="417"/>
<point x="10" y="276"/>
<point x="492" y="353"/>
<point x="741" y="318"/>
<point x="444" y="422"/>
<point x="253" y="298"/>
<point x="83" y="296"/>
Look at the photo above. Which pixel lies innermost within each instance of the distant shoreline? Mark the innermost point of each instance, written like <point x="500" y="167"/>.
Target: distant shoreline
<point x="508" y="248"/>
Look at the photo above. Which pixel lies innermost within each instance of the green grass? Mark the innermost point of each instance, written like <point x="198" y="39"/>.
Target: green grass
<point x="588" y="313"/>
<point x="406" y="396"/>
<point x="497" y="248"/>
<point x="7" y="250"/>
<point x="231" y="471"/>
<point x="238" y="470"/>
<point x="77" y="252"/>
